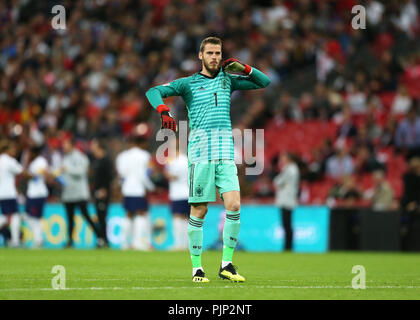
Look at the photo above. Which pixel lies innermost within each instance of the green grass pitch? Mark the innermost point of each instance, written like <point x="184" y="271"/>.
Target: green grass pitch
<point x="112" y="274"/>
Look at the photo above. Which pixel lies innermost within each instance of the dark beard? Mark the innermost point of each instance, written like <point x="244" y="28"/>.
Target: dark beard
<point x="210" y="70"/>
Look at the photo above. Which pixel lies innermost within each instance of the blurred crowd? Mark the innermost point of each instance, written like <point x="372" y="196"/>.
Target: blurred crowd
<point x="89" y="80"/>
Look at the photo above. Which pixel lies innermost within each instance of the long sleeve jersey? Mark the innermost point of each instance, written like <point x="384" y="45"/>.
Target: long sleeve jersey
<point x="208" y="104"/>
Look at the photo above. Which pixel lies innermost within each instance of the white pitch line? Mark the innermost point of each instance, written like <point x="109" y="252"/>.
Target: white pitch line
<point x="157" y="280"/>
<point x="206" y="287"/>
<point x="91" y="280"/>
<point x="337" y="287"/>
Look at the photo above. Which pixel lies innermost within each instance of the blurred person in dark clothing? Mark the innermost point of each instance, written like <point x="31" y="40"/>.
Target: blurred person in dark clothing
<point x="263" y="187"/>
<point x="316" y="167"/>
<point x="307" y="107"/>
<point x="387" y="137"/>
<point x="362" y="139"/>
<point x="287" y="107"/>
<point x="407" y="137"/>
<point x="410" y="201"/>
<point x="327" y="149"/>
<point x="365" y="161"/>
<point x="345" y="192"/>
<point x="321" y="102"/>
<point x="347" y="127"/>
<point x="102" y="176"/>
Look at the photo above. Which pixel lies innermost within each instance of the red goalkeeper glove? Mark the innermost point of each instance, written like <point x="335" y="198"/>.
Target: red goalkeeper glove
<point x="234" y="65"/>
<point x="168" y="122"/>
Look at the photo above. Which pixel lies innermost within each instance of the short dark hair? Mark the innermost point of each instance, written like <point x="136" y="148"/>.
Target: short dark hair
<point x="137" y="139"/>
<point x="293" y="157"/>
<point x="413" y="109"/>
<point x="37" y="149"/>
<point x="71" y="139"/>
<point x="4" y="145"/>
<point x="211" y="40"/>
<point x="101" y="144"/>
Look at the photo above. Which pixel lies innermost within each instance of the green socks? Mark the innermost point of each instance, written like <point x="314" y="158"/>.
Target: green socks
<point x="195" y="240"/>
<point x="230" y="234"/>
<point x="230" y="237"/>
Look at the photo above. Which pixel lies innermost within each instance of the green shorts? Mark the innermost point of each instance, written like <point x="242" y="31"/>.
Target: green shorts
<point x="205" y="176"/>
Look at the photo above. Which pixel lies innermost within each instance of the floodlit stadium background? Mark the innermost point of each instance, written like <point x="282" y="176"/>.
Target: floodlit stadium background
<point x="333" y="89"/>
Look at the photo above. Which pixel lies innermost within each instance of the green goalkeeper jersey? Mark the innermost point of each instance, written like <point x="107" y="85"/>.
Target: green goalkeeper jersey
<point x="208" y="103"/>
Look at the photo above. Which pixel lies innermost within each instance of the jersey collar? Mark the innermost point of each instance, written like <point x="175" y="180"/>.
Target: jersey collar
<point x="216" y="74"/>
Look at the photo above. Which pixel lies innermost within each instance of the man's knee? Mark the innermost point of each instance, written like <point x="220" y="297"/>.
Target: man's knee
<point x="199" y="211"/>
<point x="232" y="200"/>
<point x="234" y="205"/>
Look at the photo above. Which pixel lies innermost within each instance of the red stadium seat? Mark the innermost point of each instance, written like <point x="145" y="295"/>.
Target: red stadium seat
<point x="382" y="43"/>
<point x="387" y="98"/>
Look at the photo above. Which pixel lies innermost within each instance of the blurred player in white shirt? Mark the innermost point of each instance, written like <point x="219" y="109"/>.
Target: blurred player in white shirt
<point x="9" y="169"/>
<point x="37" y="192"/>
<point x="176" y="171"/>
<point x="132" y="166"/>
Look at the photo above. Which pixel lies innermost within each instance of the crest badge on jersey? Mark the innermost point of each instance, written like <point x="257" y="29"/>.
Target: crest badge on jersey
<point x="224" y="83"/>
<point x="199" y="191"/>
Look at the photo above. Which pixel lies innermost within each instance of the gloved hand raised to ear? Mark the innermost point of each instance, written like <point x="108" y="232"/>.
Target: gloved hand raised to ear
<point x="168" y="122"/>
<point x="234" y="65"/>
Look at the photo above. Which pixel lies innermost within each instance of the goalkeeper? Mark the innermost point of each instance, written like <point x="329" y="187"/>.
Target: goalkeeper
<point x="210" y="163"/>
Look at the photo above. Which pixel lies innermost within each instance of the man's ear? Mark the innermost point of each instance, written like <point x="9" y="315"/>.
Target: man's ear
<point x="200" y="55"/>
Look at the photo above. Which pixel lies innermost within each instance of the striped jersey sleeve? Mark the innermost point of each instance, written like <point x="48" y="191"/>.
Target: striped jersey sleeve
<point x="208" y="101"/>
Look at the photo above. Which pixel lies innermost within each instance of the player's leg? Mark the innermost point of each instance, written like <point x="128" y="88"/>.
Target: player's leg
<point x="177" y="230"/>
<point x="232" y="225"/>
<point x="176" y="226"/>
<point x="15" y="223"/>
<point x="3" y="217"/>
<point x="148" y="224"/>
<point x="70" y="218"/>
<point x="11" y="217"/>
<point x="101" y="206"/>
<point x="228" y="185"/>
<point x="138" y="222"/>
<point x="38" y="240"/>
<point x="34" y="210"/>
<point x="83" y="209"/>
<point x="201" y="177"/>
<point x="127" y="229"/>
<point x="127" y="223"/>
<point x="3" y="225"/>
<point x="287" y="225"/>
<point x="231" y="230"/>
<point x="180" y="210"/>
<point x="195" y="238"/>
<point x="142" y="230"/>
<point x="3" y="221"/>
<point x="184" y="227"/>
